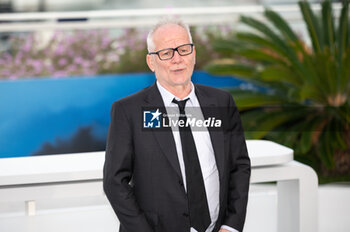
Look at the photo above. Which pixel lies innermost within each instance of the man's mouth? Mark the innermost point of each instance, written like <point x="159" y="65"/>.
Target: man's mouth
<point x="178" y="70"/>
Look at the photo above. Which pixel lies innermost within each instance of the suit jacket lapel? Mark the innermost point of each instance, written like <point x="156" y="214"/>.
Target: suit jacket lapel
<point x="165" y="136"/>
<point x="217" y="137"/>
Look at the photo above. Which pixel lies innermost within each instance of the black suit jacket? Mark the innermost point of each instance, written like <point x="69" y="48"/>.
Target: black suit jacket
<point x="142" y="177"/>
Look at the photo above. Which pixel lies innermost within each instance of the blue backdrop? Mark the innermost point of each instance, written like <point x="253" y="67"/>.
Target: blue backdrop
<point x="44" y="116"/>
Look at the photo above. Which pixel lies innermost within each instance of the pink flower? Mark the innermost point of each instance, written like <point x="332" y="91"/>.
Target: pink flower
<point x="62" y="61"/>
<point x="78" y="60"/>
<point x="59" y="50"/>
<point x="13" y="77"/>
<point x="60" y="74"/>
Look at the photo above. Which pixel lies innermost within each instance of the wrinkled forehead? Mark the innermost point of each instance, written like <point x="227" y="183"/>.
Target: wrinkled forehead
<point x="170" y="36"/>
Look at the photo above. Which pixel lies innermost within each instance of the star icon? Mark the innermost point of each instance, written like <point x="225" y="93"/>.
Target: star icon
<point x="156" y="115"/>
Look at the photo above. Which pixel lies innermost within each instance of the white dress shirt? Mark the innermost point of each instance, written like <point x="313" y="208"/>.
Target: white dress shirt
<point x="204" y="150"/>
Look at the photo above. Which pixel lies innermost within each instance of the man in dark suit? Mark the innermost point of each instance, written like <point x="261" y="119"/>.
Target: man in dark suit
<point x="176" y="179"/>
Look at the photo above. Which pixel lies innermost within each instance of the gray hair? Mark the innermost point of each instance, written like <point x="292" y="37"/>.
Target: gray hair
<point x="166" y="21"/>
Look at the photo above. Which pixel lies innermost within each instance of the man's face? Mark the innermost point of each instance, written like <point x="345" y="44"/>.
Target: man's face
<point x="178" y="70"/>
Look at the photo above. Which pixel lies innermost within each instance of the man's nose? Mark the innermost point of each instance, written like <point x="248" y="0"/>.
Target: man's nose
<point x="176" y="58"/>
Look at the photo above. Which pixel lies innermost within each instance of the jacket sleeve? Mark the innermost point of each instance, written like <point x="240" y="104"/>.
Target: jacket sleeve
<point x="118" y="172"/>
<point x="239" y="172"/>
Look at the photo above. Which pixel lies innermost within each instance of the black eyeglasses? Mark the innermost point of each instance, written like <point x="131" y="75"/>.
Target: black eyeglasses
<point x="168" y="53"/>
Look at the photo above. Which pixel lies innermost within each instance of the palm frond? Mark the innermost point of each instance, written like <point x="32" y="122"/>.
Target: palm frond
<point x="278" y="42"/>
<point x="343" y="38"/>
<point x="263" y="124"/>
<point x="281" y="25"/>
<point x="280" y="73"/>
<point x="343" y="29"/>
<point x="326" y="72"/>
<point x="328" y="26"/>
<point x="312" y="26"/>
<point x="262" y="56"/>
<point x="239" y="70"/>
<point x="325" y="150"/>
<point x="310" y="132"/>
<point x="226" y="45"/>
<point x="308" y="91"/>
<point x="247" y="99"/>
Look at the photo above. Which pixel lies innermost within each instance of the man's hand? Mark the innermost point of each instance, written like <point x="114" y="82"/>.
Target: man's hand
<point x="223" y="230"/>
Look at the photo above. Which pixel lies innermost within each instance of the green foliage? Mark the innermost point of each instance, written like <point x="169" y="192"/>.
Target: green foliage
<point x="202" y="38"/>
<point x="307" y="103"/>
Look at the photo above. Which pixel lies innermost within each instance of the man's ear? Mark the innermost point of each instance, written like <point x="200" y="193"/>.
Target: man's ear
<point x="149" y="60"/>
<point x="194" y="54"/>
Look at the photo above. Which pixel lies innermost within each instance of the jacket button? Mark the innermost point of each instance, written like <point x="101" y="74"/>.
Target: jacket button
<point x="185" y="214"/>
<point x="181" y="183"/>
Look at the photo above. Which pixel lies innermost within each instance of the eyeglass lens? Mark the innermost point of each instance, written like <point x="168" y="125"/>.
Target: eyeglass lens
<point x="169" y="53"/>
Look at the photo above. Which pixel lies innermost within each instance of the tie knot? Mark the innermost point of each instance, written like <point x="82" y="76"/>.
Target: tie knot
<point x="181" y="103"/>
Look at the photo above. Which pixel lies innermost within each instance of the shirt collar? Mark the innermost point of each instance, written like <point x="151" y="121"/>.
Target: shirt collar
<point x="168" y="97"/>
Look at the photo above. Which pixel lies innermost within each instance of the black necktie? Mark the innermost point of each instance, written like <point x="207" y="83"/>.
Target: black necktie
<point x="197" y="198"/>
